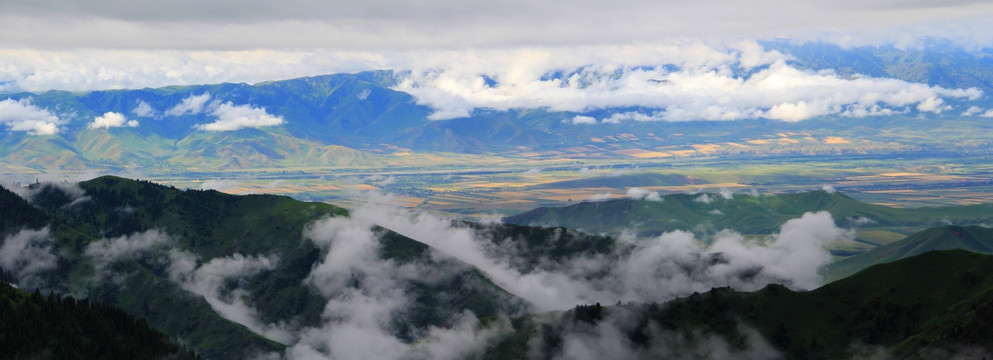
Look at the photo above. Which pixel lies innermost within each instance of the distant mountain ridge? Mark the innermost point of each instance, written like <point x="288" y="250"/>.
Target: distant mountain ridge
<point x="348" y="119"/>
<point x="141" y="234"/>
<point x="976" y="239"/>
<point x="745" y="213"/>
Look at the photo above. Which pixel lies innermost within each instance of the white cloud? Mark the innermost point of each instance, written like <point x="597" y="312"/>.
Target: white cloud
<point x="232" y="117"/>
<point x="29" y="255"/>
<point x="829" y="189"/>
<point x="699" y="85"/>
<point x="72" y="190"/>
<point x="726" y="194"/>
<point x="658" y="269"/>
<point x="143" y="109"/>
<point x="704" y="198"/>
<point x="987" y="114"/>
<point x="21" y="115"/>
<point x="382" y="24"/>
<point x="191" y="105"/>
<point x="211" y="280"/>
<point x="112" y="119"/>
<point x="220" y="184"/>
<point x="134" y="246"/>
<point x="582" y="119"/>
<point x="358" y="316"/>
<point x="933" y="104"/>
<point x="137" y="246"/>
<point x="643" y="194"/>
<point x="601" y="197"/>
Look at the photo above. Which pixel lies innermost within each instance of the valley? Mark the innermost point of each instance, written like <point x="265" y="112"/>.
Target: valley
<point x="765" y="199"/>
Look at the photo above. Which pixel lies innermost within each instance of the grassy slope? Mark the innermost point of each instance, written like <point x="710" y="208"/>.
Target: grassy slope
<point x="915" y="307"/>
<point x="212" y="224"/>
<point x="747" y="214"/>
<point x="33" y="326"/>
<point x="972" y="238"/>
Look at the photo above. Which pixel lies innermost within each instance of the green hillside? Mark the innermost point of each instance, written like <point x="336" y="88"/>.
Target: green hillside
<point x="972" y="238"/>
<point x="210" y="225"/>
<point x="33" y="326"/>
<point x="928" y="306"/>
<point x="747" y="214"/>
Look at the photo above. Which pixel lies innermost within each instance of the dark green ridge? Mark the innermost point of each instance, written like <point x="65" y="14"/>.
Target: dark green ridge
<point x="927" y="306"/>
<point x="16" y="213"/>
<point x="211" y="224"/>
<point x="972" y="238"/>
<point x="33" y="326"/>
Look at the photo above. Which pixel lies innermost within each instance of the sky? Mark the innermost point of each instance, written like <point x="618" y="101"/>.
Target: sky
<point x="447" y="46"/>
<point x="118" y="43"/>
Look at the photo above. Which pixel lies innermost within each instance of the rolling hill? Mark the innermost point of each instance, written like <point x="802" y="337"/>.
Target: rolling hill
<point x="935" y="305"/>
<point x="344" y="119"/>
<point x="236" y="276"/>
<point x="971" y="238"/>
<point x="229" y="275"/>
<point x="746" y="214"/>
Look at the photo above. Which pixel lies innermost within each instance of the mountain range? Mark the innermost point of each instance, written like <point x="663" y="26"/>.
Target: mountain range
<point x="237" y="276"/>
<point x="749" y="214"/>
<point x="364" y="119"/>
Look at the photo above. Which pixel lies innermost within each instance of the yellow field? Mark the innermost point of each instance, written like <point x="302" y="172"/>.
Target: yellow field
<point x="643" y="154"/>
<point x="834" y="140"/>
<point x="707" y="148"/>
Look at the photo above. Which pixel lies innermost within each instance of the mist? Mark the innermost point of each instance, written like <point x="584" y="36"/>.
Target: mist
<point x="29" y="255"/>
<point x="366" y="293"/>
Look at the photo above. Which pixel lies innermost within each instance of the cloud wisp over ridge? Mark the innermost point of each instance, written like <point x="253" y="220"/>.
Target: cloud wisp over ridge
<point x="711" y="83"/>
<point x="229" y="117"/>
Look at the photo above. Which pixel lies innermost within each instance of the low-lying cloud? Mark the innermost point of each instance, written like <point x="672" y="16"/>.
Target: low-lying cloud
<point x="75" y="195"/>
<point x="772" y="89"/>
<point x="643" y="194"/>
<point x="135" y="246"/>
<point x="657" y="269"/>
<point x="365" y="292"/>
<point x="229" y="117"/>
<point x="191" y="105"/>
<point x="29" y="255"/>
<point x="210" y="280"/>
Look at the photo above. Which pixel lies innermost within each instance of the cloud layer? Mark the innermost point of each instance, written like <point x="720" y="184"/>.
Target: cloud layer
<point x="365" y="292"/>
<point x="229" y="116"/>
<point x="29" y="255"/>
<point x="701" y="83"/>
<point x="446" y="24"/>
<point x="677" y="80"/>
